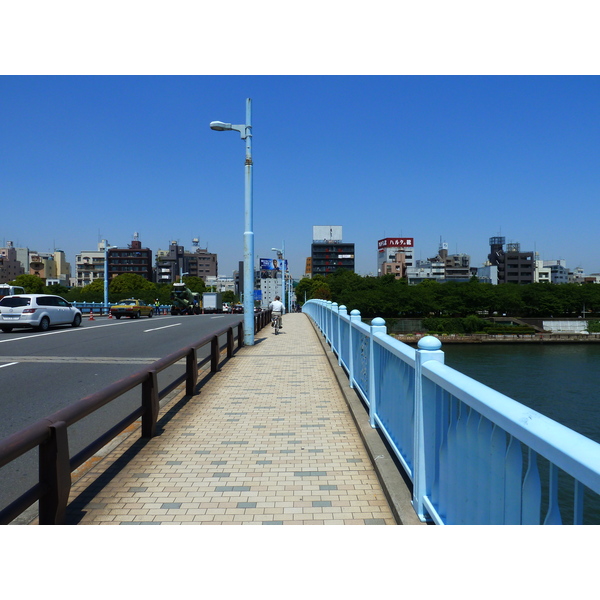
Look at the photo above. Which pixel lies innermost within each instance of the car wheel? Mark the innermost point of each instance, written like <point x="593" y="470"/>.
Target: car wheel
<point x="138" y="314"/>
<point x="44" y="324"/>
<point x="7" y="329"/>
<point x="117" y="316"/>
<point x="150" y="314"/>
<point x="76" y="321"/>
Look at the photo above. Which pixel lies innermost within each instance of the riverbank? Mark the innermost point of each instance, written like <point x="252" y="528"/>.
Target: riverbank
<point x="538" y="338"/>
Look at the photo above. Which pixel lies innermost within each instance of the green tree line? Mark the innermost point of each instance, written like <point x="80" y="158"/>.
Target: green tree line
<point x="127" y="285"/>
<point x="388" y="297"/>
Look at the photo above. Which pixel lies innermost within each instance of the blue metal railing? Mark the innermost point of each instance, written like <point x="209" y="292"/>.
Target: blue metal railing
<point x="473" y="455"/>
<point x="99" y="308"/>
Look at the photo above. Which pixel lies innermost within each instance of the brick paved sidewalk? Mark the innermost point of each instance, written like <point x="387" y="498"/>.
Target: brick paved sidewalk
<point x="269" y="440"/>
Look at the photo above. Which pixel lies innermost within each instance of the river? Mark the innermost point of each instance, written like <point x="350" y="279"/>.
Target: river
<point x="561" y="381"/>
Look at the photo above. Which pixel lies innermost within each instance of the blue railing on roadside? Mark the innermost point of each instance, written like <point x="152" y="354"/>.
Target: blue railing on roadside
<point x="473" y="455"/>
<point x="99" y="308"/>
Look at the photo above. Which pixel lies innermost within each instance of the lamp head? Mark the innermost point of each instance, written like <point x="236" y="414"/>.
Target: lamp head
<point x="220" y="126"/>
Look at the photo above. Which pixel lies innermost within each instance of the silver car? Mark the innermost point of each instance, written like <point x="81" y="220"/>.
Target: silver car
<point x="37" y="310"/>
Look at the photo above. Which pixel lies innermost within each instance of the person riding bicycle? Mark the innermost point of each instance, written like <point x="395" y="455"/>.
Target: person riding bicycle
<point x="277" y="309"/>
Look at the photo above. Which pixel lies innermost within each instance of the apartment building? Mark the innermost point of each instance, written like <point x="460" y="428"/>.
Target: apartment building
<point x="10" y="267"/>
<point x="328" y="252"/>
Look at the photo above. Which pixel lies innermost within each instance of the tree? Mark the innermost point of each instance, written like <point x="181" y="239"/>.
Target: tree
<point x="230" y="297"/>
<point x="132" y="285"/>
<point x="127" y="284"/>
<point x="56" y="289"/>
<point x="317" y="287"/>
<point x="93" y="292"/>
<point x="303" y="288"/>
<point x="194" y="284"/>
<point x="32" y="284"/>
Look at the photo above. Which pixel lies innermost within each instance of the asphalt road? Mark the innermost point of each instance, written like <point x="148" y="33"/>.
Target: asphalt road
<point x="41" y="373"/>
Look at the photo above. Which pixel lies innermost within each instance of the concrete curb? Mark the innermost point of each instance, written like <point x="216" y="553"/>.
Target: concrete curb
<point x="394" y="486"/>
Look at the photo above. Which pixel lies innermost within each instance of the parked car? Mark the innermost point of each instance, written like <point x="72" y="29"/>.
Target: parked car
<point x="40" y="311"/>
<point x="131" y="308"/>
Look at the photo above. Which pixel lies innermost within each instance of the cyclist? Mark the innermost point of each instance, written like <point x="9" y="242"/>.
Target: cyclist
<point x="277" y="310"/>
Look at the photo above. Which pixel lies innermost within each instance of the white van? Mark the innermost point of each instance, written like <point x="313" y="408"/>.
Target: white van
<point x="10" y="290"/>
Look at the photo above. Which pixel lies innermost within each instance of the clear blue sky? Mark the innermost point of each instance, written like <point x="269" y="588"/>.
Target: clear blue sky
<point x="456" y="130"/>
<point x="456" y="158"/>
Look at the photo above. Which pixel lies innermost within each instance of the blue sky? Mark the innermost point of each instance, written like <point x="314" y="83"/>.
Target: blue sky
<point x="451" y="158"/>
<point x="434" y="121"/>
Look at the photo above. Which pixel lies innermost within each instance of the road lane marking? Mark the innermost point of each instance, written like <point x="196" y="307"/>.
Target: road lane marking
<point x="117" y="360"/>
<point x="8" y="365"/>
<point x="165" y="327"/>
<point x="71" y="330"/>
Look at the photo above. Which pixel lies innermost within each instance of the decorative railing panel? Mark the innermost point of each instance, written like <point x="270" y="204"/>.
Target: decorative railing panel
<point x="474" y="456"/>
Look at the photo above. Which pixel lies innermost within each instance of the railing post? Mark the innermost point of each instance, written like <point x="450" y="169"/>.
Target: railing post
<point x="240" y="334"/>
<point x="55" y="474"/>
<point x="341" y="313"/>
<point x="377" y="326"/>
<point x="328" y="321"/>
<point x="214" y="354"/>
<point x="230" y="342"/>
<point x="354" y="317"/>
<point x="428" y="349"/>
<point x="191" y="371"/>
<point x="334" y="328"/>
<point x="150" y="405"/>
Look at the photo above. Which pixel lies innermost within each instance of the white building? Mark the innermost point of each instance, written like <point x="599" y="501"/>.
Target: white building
<point x="222" y="284"/>
<point x="426" y="269"/>
<point x="89" y="265"/>
<point x="488" y="274"/>
<point x="541" y="273"/>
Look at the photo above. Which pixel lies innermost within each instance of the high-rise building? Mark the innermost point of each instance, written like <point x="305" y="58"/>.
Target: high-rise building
<point x="395" y="256"/>
<point x="328" y="252"/>
<point x="133" y="259"/>
<point x="10" y="267"/>
<point x="172" y="263"/>
<point x="513" y="265"/>
<point x="89" y="265"/>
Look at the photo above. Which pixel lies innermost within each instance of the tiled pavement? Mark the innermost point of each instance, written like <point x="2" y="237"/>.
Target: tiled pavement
<point x="269" y="440"/>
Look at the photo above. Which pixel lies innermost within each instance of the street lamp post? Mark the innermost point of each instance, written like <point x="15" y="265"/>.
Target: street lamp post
<point x="281" y="257"/>
<point x="106" y="248"/>
<point x="246" y="134"/>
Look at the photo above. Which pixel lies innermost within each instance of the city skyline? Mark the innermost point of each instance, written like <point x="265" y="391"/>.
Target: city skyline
<point x="463" y="159"/>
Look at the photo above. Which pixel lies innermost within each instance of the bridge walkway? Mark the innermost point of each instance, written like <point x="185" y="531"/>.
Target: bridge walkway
<point x="269" y="440"/>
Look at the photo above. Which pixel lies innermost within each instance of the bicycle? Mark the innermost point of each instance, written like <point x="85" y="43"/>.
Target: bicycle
<point x="276" y="322"/>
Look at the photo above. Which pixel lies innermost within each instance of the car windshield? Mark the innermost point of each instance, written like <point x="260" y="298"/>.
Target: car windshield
<point x="127" y="302"/>
<point x="15" y="301"/>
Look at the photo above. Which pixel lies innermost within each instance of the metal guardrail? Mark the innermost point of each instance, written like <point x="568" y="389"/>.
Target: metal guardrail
<point x="50" y="434"/>
<point x="473" y="455"/>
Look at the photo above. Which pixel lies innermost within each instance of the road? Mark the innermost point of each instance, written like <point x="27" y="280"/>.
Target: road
<point x="41" y="373"/>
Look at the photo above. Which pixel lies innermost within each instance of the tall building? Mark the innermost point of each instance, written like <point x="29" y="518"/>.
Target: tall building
<point x="395" y="256"/>
<point x="513" y="265"/>
<point x="175" y="261"/>
<point x="10" y="267"/>
<point x="328" y="252"/>
<point x="457" y="267"/>
<point x="308" y="267"/>
<point x="133" y="259"/>
<point x="89" y="265"/>
<point x="41" y="264"/>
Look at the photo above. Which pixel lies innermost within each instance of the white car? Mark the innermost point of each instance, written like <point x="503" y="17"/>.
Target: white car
<point x="37" y="310"/>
